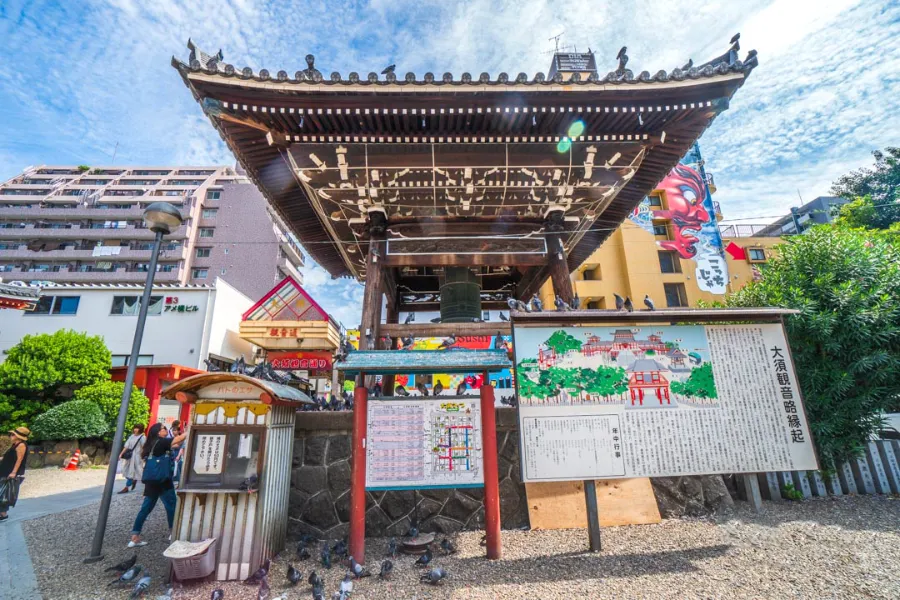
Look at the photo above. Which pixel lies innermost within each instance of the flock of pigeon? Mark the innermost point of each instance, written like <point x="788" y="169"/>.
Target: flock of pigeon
<point x="535" y="305"/>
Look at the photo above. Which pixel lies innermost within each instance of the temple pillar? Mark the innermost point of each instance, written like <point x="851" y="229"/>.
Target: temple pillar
<point x="393" y="317"/>
<point x="559" y="269"/>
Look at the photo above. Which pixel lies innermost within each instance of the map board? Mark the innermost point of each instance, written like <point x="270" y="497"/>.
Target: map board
<point x="424" y="443"/>
<point x="658" y="401"/>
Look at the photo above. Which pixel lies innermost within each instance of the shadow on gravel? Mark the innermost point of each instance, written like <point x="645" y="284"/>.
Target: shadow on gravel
<point x="855" y="513"/>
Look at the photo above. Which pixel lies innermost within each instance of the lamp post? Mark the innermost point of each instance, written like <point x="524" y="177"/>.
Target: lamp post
<point x="161" y="218"/>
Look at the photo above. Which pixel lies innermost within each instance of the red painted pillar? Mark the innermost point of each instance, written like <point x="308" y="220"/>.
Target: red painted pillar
<point x="153" y="392"/>
<point x="358" y="476"/>
<point x="491" y="470"/>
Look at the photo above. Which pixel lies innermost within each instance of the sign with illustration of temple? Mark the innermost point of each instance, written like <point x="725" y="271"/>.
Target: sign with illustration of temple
<point x="654" y="401"/>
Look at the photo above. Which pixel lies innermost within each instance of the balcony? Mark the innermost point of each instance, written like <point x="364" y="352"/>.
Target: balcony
<point x="293" y="252"/>
<point x="83" y="233"/>
<point x="95" y="212"/>
<point x="711" y="182"/>
<point x="289" y="269"/>
<point x="66" y="276"/>
<point x="742" y="231"/>
<point x="15" y="198"/>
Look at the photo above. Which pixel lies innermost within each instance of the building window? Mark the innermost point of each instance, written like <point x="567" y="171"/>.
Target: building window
<point x="662" y="230"/>
<point x="199" y="273"/>
<point x="668" y="262"/>
<point x="56" y="305"/>
<point x="207" y="232"/>
<point x="121" y="360"/>
<point x="591" y="274"/>
<point x="596" y="304"/>
<point x="756" y="255"/>
<point x="209" y="213"/>
<point x="130" y="305"/>
<point x="655" y="201"/>
<point x="202" y="252"/>
<point x="213" y="194"/>
<point x="675" y="295"/>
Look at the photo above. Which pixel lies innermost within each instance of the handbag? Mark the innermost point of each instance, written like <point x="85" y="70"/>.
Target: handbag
<point x="158" y="469"/>
<point x="9" y="490"/>
<point x="129" y="452"/>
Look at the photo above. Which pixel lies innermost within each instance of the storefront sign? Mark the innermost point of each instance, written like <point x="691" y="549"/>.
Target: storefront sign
<point x="172" y="305"/>
<point x="282" y="332"/>
<point x="304" y="361"/>
<point x="210" y="454"/>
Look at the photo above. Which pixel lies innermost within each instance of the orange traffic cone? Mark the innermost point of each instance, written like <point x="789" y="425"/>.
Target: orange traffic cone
<point x="72" y="465"/>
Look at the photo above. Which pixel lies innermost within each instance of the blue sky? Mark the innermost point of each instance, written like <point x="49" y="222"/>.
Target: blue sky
<point x="78" y="77"/>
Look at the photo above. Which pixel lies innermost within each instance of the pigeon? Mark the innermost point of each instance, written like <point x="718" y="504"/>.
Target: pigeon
<point x="423" y="560"/>
<point x="447" y="546"/>
<point x="511" y="303"/>
<point x="422" y="389"/>
<point x="123" y="566"/>
<point x="129" y="575"/>
<point x="260" y="574"/>
<point x="560" y="304"/>
<point x="536" y="304"/>
<point x="648" y="302"/>
<point x="251" y="484"/>
<point x="503" y="317"/>
<point x="314" y="579"/>
<point x="409" y="318"/>
<point x="168" y="595"/>
<point x="389" y="69"/>
<point x="436" y="320"/>
<point x="347" y="585"/>
<point x="318" y="592"/>
<point x="263" y="592"/>
<point x="358" y="570"/>
<point x="305" y="540"/>
<point x="400" y="391"/>
<point x="408" y="343"/>
<point x="413" y="532"/>
<point x="340" y="548"/>
<point x="141" y="587"/>
<point x="217" y="594"/>
<point x="392" y="548"/>
<point x="387" y="567"/>
<point x="483" y="541"/>
<point x="303" y="553"/>
<point x="448" y="343"/>
<point x="293" y="575"/>
<point x="325" y="555"/>
<point x="461" y="388"/>
<point x="434" y="576"/>
<point x="438" y="388"/>
<point x="576" y="302"/>
<point x="620" y="302"/>
<point x="628" y="305"/>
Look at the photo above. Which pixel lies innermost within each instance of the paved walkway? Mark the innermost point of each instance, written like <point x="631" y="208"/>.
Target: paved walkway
<point x="17" y="580"/>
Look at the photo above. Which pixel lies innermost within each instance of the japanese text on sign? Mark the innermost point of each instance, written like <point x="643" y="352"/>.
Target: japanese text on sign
<point x="209" y="455"/>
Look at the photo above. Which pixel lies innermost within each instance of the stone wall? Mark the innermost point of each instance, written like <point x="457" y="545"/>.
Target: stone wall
<point x="56" y="454"/>
<point x="320" y="486"/>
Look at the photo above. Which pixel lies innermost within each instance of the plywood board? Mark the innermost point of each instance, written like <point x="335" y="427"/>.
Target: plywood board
<point x="560" y="505"/>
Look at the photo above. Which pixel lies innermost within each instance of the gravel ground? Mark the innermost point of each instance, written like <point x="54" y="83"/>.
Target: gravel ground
<point x="53" y="480"/>
<point x="821" y="548"/>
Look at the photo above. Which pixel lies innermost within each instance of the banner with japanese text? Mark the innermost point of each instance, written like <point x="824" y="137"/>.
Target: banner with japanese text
<point x="658" y="401"/>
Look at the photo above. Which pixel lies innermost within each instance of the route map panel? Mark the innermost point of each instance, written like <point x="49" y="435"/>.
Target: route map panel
<point x="424" y="443"/>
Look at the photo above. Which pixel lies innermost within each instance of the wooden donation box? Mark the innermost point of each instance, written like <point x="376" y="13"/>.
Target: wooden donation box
<point x="237" y="467"/>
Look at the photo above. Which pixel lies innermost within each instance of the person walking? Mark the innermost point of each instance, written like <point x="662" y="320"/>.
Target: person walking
<point x="157" y="478"/>
<point x="12" y="469"/>
<point x="133" y="464"/>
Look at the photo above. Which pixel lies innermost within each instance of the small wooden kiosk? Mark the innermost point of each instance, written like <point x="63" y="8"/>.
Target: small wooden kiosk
<point x="240" y="427"/>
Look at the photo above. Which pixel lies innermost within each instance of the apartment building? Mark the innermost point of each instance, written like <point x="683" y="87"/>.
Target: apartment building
<point x="83" y="224"/>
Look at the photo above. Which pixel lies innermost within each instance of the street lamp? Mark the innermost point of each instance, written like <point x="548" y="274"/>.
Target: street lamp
<point x="161" y="218"/>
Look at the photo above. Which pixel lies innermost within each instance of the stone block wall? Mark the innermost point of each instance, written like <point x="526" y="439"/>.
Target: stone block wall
<point x="320" y="486"/>
<point x="56" y="454"/>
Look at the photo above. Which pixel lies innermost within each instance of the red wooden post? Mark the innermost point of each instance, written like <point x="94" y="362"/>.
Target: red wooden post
<point x="153" y="390"/>
<point x="358" y="476"/>
<point x="491" y="470"/>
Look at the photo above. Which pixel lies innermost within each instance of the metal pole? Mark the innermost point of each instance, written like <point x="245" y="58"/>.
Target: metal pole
<point x="593" y="514"/>
<point x="100" y="531"/>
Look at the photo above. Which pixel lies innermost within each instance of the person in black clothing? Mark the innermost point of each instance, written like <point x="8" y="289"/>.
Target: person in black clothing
<point x="158" y="443"/>
<point x="12" y="465"/>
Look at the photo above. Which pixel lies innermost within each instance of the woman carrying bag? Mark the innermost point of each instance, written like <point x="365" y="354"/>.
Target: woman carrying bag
<point x="12" y="469"/>
<point x="157" y="478"/>
<point x="132" y="463"/>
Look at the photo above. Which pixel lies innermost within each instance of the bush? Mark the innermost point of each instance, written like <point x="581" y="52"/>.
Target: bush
<point x="72" y="420"/>
<point x="108" y="396"/>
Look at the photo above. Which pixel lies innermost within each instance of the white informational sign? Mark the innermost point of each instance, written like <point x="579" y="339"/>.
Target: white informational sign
<point x="658" y="401"/>
<point x="423" y="443"/>
<point x="210" y="454"/>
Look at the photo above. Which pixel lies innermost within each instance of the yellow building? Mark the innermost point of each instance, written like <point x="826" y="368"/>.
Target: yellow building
<point x="660" y="251"/>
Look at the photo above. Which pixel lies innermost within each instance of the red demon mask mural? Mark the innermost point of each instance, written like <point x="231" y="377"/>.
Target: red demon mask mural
<point x="684" y="195"/>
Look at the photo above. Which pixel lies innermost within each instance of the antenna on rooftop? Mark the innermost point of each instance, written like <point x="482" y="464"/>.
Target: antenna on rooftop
<point x="556" y="46"/>
<point x="115" y="150"/>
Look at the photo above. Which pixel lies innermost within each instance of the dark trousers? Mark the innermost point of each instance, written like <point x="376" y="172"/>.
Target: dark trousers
<point x="168" y="499"/>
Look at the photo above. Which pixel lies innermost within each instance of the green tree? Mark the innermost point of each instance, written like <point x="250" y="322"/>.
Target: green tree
<point x="700" y="383"/>
<point x="108" y="396"/>
<point x="881" y="183"/>
<point x="606" y="381"/>
<point x="846" y="339"/>
<point x="562" y="342"/>
<point x="72" y="420"/>
<point x="864" y="212"/>
<point x="43" y="370"/>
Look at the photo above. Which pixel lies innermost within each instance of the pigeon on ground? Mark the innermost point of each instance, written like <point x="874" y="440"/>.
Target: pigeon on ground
<point x="347" y="585"/>
<point x="314" y="579"/>
<point x="123" y="566"/>
<point x="128" y="576"/>
<point x="536" y="304"/>
<point x="387" y="567"/>
<point x="434" y="576"/>
<point x="423" y="560"/>
<point x="392" y="548"/>
<point x="358" y="570"/>
<point x="340" y="548"/>
<point x="141" y="587"/>
<point x="409" y="318"/>
<point x="448" y="343"/>
<point x="401" y="391"/>
<point x="483" y="541"/>
<point x="260" y="574"/>
<point x="422" y="389"/>
<point x="628" y="305"/>
<point x="293" y="575"/>
<point x="438" y="388"/>
<point x="389" y="69"/>
<point x="318" y="592"/>
<point x="168" y="595"/>
<point x="447" y="546"/>
<point x="217" y="594"/>
<point x="303" y="553"/>
<point x="620" y="302"/>
<point x="561" y="304"/>
<point x="325" y="555"/>
<point x="413" y="532"/>
<point x="503" y="317"/>
<point x="263" y="592"/>
<point x="648" y="302"/>
<point x="461" y="388"/>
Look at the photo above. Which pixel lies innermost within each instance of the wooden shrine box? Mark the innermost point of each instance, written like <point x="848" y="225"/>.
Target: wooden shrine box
<point x="240" y="427"/>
